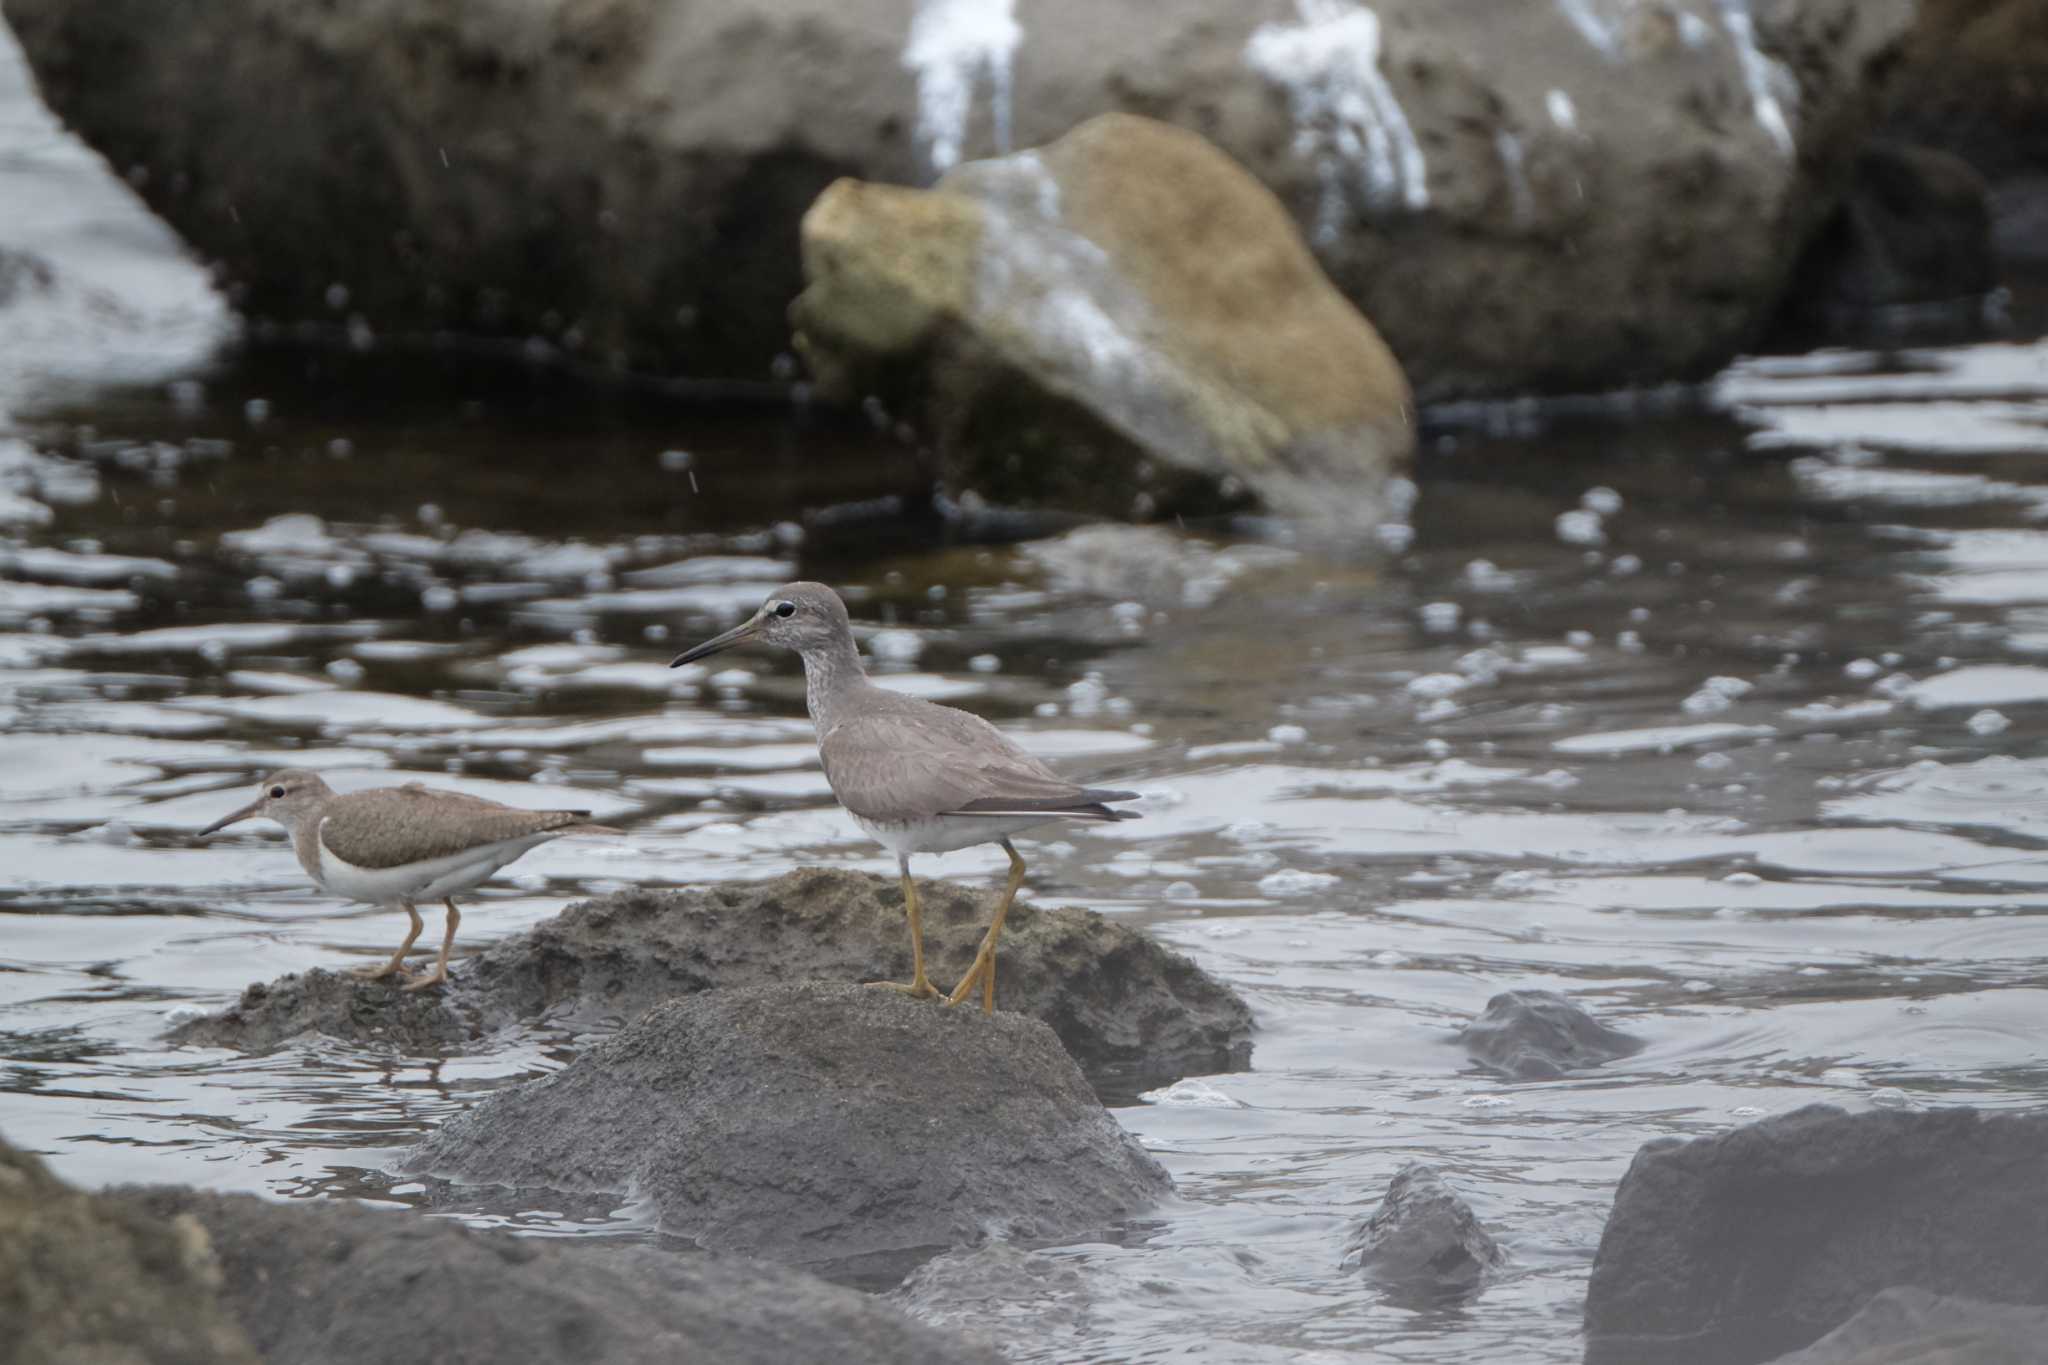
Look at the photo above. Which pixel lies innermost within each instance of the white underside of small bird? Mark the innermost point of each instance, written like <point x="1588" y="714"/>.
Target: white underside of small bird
<point x="947" y="833"/>
<point x="431" y="880"/>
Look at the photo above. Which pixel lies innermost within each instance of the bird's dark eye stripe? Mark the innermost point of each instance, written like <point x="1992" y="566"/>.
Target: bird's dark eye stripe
<point x="785" y="609"/>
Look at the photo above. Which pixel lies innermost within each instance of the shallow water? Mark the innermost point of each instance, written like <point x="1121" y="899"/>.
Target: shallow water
<point x="1725" y="719"/>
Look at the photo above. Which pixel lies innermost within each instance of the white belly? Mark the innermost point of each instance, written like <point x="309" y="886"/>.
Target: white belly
<point x="423" y="881"/>
<point x="947" y="833"/>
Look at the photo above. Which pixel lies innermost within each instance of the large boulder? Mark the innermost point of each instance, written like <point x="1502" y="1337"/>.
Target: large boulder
<point x="89" y="1280"/>
<point x="1527" y="195"/>
<point x="846" y="1129"/>
<point x="1914" y="1327"/>
<point x="1133" y="1013"/>
<point x="1122" y="321"/>
<point x="1738" y="1248"/>
<point x="337" y="1284"/>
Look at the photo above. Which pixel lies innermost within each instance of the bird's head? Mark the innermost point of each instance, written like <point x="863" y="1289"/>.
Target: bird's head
<point x="806" y="617"/>
<point x="286" y="796"/>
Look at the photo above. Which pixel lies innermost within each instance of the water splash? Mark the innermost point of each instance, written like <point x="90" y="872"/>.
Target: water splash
<point x="1345" y="112"/>
<point x="954" y="46"/>
<point x="1759" y="72"/>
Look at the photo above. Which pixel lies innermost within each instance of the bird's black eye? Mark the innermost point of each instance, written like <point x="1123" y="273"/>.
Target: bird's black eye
<point x="785" y="609"/>
<point x="277" y="793"/>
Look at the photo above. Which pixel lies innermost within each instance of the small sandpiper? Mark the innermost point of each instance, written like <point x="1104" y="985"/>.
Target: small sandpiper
<point x="400" y="845"/>
<point x="916" y="776"/>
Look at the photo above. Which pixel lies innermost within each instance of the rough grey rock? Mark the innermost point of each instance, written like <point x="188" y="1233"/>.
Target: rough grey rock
<point x="88" y="1280"/>
<point x="1122" y="321"/>
<point x="838" y="1127"/>
<point x="1424" y="1245"/>
<point x="1133" y="1013"/>
<point x="1540" y="1035"/>
<point x="1737" y="1248"/>
<point x="1527" y="195"/>
<point x="337" y="1284"/>
<point x="1914" y="1327"/>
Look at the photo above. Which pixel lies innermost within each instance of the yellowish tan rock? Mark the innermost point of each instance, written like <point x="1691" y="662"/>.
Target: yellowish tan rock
<point x="1123" y="321"/>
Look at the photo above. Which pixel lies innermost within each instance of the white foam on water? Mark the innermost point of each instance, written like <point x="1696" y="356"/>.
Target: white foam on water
<point x="1562" y="111"/>
<point x="1602" y="32"/>
<point x="1764" y="77"/>
<point x="1659" y="738"/>
<point x="1345" y="113"/>
<point x="953" y="48"/>
<point x="1980" y="685"/>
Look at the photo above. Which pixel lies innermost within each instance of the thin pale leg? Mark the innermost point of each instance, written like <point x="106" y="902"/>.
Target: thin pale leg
<point x="983" y="972"/>
<point x="397" y="962"/>
<point x="919" y="987"/>
<point x="440" y="972"/>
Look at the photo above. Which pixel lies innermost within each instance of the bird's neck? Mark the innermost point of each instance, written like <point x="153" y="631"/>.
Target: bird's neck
<point x="831" y="676"/>
<point x="305" y="832"/>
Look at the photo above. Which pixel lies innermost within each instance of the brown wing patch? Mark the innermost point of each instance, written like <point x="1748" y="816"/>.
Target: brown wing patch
<point x="391" y="826"/>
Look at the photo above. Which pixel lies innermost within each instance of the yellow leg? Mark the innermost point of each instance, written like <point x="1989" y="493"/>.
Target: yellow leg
<point x="440" y="972"/>
<point x="919" y="988"/>
<point x="397" y="962"/>
<point x="983" y="972"/>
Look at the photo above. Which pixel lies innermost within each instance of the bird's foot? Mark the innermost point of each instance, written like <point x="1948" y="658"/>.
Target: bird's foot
<point x="437" y="977"/>
<point x="919" y="989"/>
<point x="378" y="972"/>
<point x="983" y="968"/>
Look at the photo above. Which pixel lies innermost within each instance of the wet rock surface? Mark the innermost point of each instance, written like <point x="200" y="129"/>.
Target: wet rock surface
<point x="86" y="1279"/>
<point x="1740" y="1247"/>
<point x="1424" y="1244"/>
<point x="1547" y="196"/>
<point x="1541" y="1035"/>
<point x="1132" y="1013"/>
<point x="839" y="1127"/>
<point x="327" y="1284"/>
<point x="1123" y="321"/>
<point x="1914" y="1327"/>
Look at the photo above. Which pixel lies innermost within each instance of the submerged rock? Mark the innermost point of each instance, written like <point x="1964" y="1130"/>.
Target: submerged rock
<point x="1134" y="1014"/>
<point x="1424" y="1244"/>
<point x="335" y="1284"/>
<point x="838" y="1127"/>
<point x="1914" y="1327"/>
<point x="1737" y="1248"/>
<point x="1553" y="196"/>
<point x="1541" y="1035"/>
<point x="85" y="1279"/>
<point x="1122" y="321"/>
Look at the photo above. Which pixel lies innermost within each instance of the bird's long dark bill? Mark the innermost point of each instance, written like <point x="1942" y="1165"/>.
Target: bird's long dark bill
<point x="226" y="820"/>
<point x="739" y="634"/>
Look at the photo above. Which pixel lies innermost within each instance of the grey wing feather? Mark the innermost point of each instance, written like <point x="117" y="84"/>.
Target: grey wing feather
<point x="924" y="762"/>
<point x="393" y="825"/>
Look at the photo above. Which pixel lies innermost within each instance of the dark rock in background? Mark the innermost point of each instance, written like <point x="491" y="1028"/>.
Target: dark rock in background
<point x="1914" y="229"/>
<point x="838" y="1127"/>
<point x="1132" y="1013"/>
<point x="1540" y="1035"/>
<point x="1737" y="1248"/>
<point x="1518" y="196"/>
<point x="1974" y="82"/>
<point x="325" y="1283"/>
<point x="1424" y="1245"/>
<point x="1914" y="1327"/>
<point x="1122" y="321"/>
<point x="89" y="1280"/>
